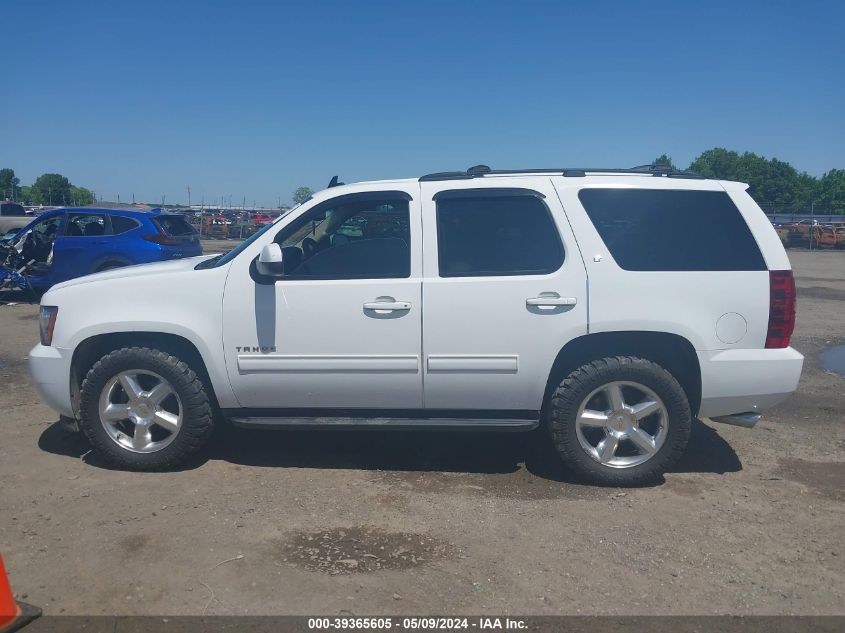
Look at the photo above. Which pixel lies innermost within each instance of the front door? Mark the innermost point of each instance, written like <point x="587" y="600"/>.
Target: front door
<point x="342" y="328"/>
<point x="504" y="289"/>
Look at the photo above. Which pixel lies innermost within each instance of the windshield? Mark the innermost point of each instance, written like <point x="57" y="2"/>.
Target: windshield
<point x="225" y="258"/>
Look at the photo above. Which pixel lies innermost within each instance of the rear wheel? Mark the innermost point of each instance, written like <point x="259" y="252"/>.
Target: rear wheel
<point x="144" y="409"/>
<point x="620" y="421"/>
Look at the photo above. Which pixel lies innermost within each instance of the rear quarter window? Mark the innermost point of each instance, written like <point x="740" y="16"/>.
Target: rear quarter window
<point x="672" y="230"/>
<point x="121" y="224"/>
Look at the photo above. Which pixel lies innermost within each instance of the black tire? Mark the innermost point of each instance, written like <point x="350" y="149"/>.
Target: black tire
<point x="577" y="386"/>
<point x="197" y="423"/>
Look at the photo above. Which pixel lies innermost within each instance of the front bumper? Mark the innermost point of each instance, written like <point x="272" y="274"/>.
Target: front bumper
<point x="50" y="371"/>
<point x="742" y="381"/>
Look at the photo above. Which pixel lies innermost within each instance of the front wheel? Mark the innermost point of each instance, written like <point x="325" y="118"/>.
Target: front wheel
<point x="144" y="409"/>
<point x="620" y="421"/>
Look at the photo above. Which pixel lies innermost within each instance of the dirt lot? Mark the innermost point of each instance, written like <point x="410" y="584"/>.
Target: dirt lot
<point x="374" y="522"/>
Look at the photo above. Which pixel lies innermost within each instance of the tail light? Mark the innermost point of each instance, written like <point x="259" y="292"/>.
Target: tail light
<point x="781" y="308"/>
<point x="161" y="238"/>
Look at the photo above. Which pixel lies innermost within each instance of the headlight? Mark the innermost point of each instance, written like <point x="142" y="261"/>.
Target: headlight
<point x="47" y="321"/>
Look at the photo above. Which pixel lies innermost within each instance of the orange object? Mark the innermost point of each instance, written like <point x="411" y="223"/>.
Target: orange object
<point x="13" y="615"/>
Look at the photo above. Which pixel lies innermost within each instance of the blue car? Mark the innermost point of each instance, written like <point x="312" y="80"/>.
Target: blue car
<point x="72" y="242"/>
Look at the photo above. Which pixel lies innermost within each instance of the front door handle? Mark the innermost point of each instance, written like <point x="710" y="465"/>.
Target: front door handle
<point x="388" y="306"/>
<point x="550" y="300"/>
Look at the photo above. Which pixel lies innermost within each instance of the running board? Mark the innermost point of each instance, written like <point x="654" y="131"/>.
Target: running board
<point x="441" y="424"/>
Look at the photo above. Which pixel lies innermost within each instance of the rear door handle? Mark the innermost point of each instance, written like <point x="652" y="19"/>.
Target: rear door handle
<point x="550" y="300"/>
<point x="388" y="306"/>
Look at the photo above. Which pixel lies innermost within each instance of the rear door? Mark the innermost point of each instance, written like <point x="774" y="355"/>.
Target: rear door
<point x="504" y="289"/>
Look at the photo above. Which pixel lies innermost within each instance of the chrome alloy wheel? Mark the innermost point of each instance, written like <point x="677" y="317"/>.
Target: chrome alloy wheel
<point x="622" y="424"/>
<point x="140" y="411"/>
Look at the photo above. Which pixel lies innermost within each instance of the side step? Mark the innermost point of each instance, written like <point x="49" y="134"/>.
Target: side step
<point x="334" y="423"/>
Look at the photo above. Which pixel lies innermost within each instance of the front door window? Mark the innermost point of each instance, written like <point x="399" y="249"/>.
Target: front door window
<point x="352" y="239"/>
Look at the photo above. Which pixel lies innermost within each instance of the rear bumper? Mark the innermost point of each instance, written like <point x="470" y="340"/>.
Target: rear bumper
<point x="747" y="380"/>
<point x="50" y="371"/>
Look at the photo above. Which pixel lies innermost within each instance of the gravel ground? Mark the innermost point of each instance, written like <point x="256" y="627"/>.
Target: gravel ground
<point x="749" y="522"/>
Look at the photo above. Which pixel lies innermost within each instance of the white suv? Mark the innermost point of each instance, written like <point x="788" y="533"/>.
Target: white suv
<point x="609" y="306"/>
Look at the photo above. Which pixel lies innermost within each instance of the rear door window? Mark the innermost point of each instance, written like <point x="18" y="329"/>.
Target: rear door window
<point x="85" y="225"/>
<point x="672" y="230"/>
<point x="489" y="232"/>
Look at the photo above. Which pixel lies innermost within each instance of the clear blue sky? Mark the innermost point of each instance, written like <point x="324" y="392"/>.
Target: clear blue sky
<point x="254" y="98"/>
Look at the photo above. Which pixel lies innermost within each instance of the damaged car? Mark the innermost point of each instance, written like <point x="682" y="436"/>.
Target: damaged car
<point x="72" y="242"/>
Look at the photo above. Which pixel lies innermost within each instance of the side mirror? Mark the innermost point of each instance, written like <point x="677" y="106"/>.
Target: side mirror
<point x="270" y="262"/>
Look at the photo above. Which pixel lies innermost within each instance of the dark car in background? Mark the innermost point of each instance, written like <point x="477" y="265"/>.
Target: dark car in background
<point x="72" y="242"/>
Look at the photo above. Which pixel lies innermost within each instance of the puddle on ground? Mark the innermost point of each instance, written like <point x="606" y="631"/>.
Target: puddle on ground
<point x="832" y="359"/>
<point x="826" y="478"/>
<point x="359" y="550"/>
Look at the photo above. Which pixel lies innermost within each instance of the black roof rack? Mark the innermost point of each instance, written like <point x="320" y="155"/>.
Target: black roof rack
<point x="479" y="171"/>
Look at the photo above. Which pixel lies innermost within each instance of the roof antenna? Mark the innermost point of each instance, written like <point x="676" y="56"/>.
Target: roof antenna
<point x="334" y="183"/>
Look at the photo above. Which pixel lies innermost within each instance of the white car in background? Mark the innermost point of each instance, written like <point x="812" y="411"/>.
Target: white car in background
<point x="609" y="306"/>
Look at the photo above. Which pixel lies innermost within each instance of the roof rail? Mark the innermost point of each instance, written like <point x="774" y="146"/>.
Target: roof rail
<point x="479" y="171"/>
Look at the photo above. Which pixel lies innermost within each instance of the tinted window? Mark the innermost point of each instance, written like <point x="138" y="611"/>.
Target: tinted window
<point x="496" y="235"/>
<point x="10" y="208"/>
<point x="356" y="237"/>
<point x="85" y="225"/>
<point x="120" y="224"/>
<point x="175" y="225"/>
<point x="647" y="229"/>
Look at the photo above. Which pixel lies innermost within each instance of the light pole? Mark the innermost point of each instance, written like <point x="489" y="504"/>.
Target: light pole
<point x="189" y="196"/>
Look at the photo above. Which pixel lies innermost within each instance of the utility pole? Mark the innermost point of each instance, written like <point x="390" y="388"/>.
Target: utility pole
<point x="812" y="221"/>
<point x="189" y="196"/>
<point x="133" y="197"/>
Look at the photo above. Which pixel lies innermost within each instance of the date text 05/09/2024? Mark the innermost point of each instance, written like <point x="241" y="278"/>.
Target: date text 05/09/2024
<point x="417" y="623"/>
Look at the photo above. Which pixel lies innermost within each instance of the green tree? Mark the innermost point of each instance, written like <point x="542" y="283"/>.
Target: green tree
<point x="302" y="194"/>
<point x="80" y="196"/>
<point x="51" y="189"/>
<point x="25" y="195"/>
<point x="775" y="185"/>
<point x="664" y="161"/>
<point x="831" y="192"/>
<point x="8" y="183"/>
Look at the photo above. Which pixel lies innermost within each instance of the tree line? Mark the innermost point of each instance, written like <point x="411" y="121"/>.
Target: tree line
<point x="775" y="184"/>
<point x="48" y="189"/>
